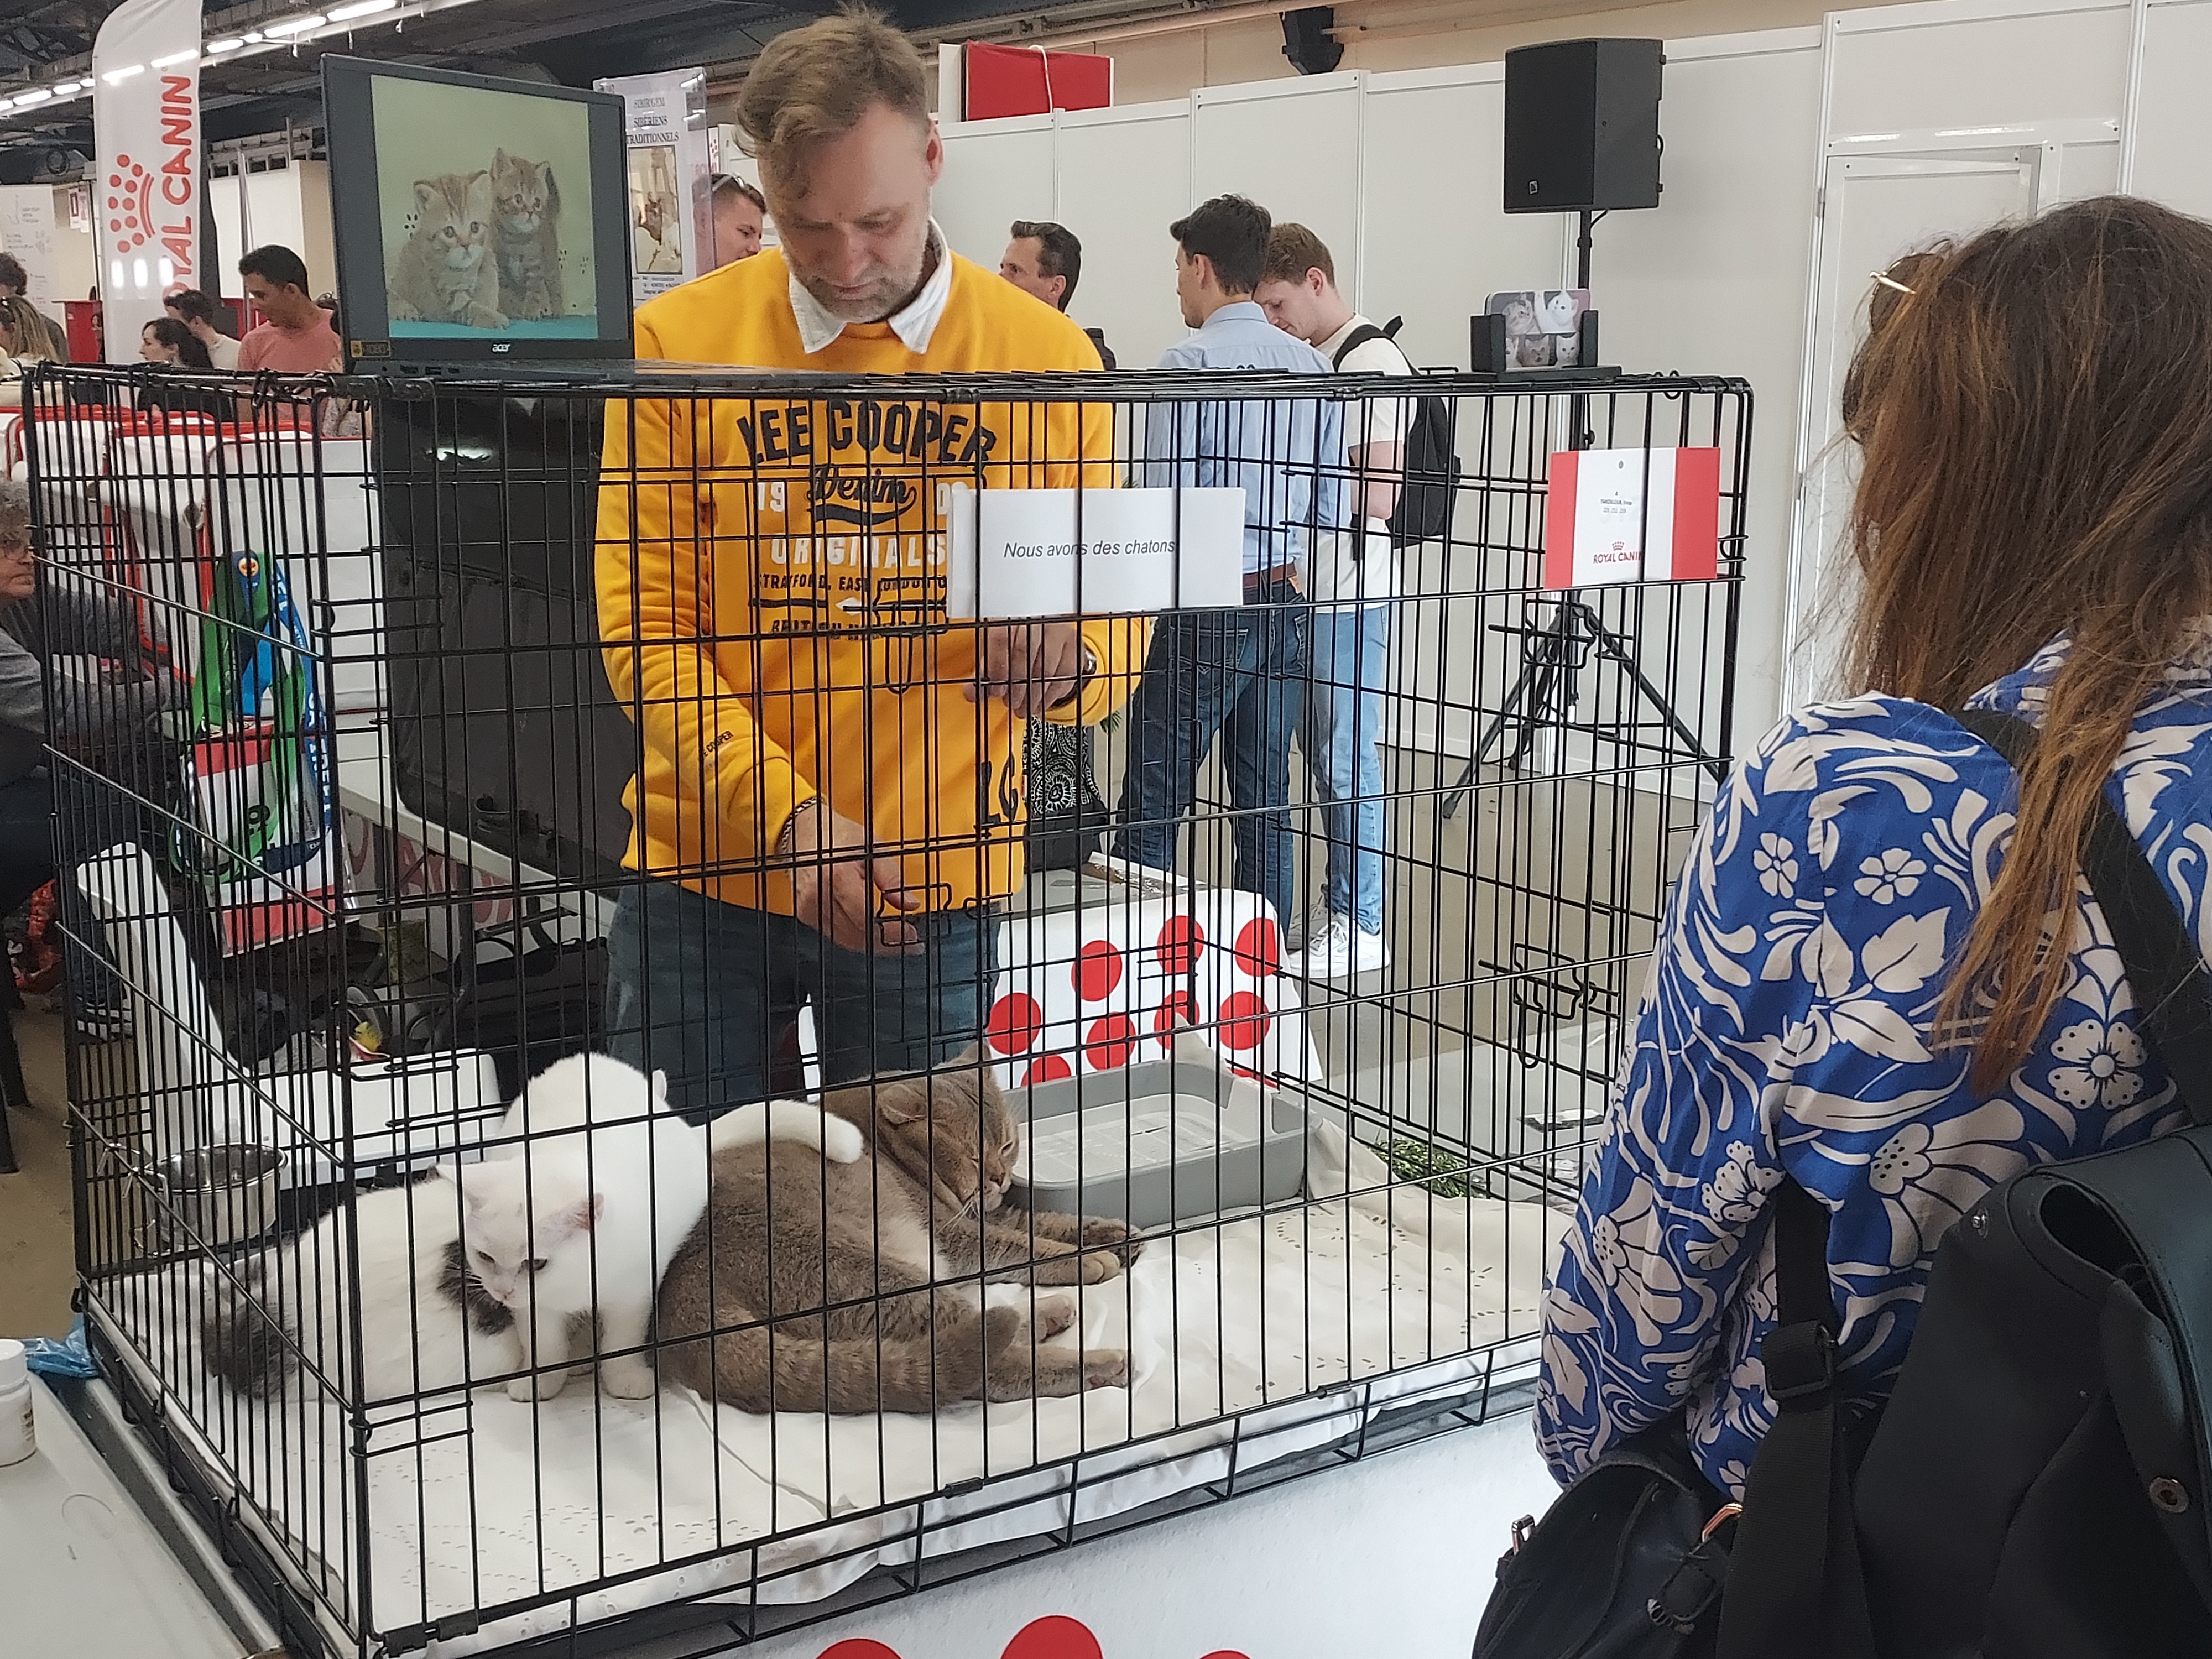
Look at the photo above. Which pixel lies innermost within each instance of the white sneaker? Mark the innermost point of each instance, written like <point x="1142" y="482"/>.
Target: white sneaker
<point x="1341" y="949"/>
<point x="1307" y="928"/>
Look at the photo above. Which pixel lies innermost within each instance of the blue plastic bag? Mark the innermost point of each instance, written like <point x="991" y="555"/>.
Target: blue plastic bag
<point x="68" y="1358"/>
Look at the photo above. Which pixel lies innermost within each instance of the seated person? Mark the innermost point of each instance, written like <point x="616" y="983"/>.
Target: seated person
<point x="25" y="337"/>
<point x="52" y="817"/>
<point x="167" y="344"/>
<point x="1856" y="988"/>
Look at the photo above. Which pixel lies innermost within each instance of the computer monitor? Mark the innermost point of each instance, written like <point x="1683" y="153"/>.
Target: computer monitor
<point x="479" y="220"/>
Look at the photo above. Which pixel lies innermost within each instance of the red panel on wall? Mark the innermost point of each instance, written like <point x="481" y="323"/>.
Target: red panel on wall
<point x="1030" y="80"/>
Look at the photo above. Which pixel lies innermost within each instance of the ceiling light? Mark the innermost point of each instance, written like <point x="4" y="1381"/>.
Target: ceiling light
<point x="252" y="34"/>
<point x="7" y="103"/>
<point x="124" y="74"/>
<point x="216" y="47"/>
<point x="176" y="57"/>
<point x="35" y="95"/>
<point x="361" y="9"/>
<point x="294" y="25"/>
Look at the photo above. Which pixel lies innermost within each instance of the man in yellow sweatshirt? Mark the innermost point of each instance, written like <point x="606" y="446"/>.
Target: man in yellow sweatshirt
<point x="831" y="796"/>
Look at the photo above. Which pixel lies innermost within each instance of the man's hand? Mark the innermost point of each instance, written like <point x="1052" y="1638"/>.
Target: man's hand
<point x="839" y="889"/>
<point x="1028" y="667"/>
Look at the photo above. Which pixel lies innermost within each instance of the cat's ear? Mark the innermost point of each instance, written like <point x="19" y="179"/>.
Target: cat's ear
<point x="498" y="159"/>
<point x="583" y="1215"/>
<point x="425" y="192"/>
<point x="660" y="1090"/>
<point x="904" y="1102"/>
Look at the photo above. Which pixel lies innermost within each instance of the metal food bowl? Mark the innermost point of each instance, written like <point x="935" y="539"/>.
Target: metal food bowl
<point x="212" y="1196"/>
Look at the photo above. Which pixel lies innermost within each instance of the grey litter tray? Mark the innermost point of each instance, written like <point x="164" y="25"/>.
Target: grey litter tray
<point x="1157" y="1141"/>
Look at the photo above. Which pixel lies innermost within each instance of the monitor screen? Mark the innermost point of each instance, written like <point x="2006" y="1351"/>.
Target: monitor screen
<point x="477" y="220"/>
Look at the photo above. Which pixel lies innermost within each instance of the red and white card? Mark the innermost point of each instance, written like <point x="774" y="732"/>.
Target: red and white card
<point x="1632" y="515"/>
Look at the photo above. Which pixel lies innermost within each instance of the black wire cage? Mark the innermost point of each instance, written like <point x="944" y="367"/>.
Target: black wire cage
<point x="350" y="854"/>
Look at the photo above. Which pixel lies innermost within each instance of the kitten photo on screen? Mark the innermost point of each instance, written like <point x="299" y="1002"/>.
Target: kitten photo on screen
<point x="528" y="236"/>
<point x="444" y="272"/>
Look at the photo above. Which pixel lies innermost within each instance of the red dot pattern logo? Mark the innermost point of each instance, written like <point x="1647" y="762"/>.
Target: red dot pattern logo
<point x="1259" y="950"/>
<point x="1055" y="1637"/>
<point x="1015" y="1021"/>
<point x="129" y="204"/>
<point x="1180" y="944"/>
<point x="1244" y="1021"/>
<point x="1098" y="969"/>
<point x="1046" y="1069"/>
<point x="1106" y="1046"/>
<point x="1176" y="1008"/>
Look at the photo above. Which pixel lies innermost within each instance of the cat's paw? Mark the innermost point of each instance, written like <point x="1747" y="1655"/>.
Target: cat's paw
<point x="1126" y="1243"/>
<point x="628" y="1376"/>
<point x="1051" y="1314"/>
<point x="542" y="1387"/>
<point x="401" y="312"/>
<point x="1099" y="1265"/>
<point x="485" y="317"/>
<point x="1106" y="1367"/>
<point x="842" y="1142"/>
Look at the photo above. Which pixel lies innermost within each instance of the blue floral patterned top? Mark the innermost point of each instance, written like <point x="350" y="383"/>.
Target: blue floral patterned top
<point x="1787" y="1025"/>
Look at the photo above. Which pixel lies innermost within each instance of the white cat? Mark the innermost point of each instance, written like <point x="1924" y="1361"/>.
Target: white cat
<point x="580" y="1218"/>
<point x="430" y="1318"/>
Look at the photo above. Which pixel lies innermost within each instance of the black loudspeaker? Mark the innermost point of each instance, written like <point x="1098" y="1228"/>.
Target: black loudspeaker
<point x="1307" y="41"/>
<point x="1582" y="125"/>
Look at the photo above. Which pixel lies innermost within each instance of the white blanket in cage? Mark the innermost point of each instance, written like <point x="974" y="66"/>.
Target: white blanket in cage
<point x="490" y="1502"/>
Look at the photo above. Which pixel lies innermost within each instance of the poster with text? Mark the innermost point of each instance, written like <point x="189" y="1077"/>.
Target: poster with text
<point x="664" y="121"/>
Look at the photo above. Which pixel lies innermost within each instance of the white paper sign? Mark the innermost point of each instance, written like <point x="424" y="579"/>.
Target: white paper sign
<point x="666" y="130"/>
<point x="1054" y="552"/>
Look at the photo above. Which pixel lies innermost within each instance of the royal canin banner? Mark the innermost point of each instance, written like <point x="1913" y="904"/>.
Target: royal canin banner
<point x="1632" y="515"/>
<point x="146" y="124"/>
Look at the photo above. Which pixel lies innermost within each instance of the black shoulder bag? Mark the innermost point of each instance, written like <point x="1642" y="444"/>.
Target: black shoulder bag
<point x="2038" y="1487"/>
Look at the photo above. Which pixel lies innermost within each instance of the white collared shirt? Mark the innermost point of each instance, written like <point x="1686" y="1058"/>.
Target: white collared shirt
<point x="914" y="323"/>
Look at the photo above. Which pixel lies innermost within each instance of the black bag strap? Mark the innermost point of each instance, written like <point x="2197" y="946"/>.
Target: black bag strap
<point x="1795" y="1583"/>
<point x="2165" y="971"/>
<point x="1359" y="337"/>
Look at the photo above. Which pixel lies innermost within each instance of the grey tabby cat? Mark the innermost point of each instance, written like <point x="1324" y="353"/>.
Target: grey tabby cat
<point x="526" y="204"/>
<point x="875" y="1243"/>
<point x="444" y="272"/>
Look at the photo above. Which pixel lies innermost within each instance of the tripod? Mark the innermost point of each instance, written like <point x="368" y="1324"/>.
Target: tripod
<point x="1551" y="673"/>
<point x="1549" y="685"/>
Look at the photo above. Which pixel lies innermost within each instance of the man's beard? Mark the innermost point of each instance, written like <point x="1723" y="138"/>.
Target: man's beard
<point x="883" y="294"/>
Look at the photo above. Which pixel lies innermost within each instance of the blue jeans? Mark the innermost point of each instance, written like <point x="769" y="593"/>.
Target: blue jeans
<point x="1241" y="673"/>
<point x="704" y="991"/>
<point x="1343" y="726"/>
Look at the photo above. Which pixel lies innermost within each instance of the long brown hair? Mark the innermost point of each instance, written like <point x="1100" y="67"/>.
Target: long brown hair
<point x="2036" y="424"/>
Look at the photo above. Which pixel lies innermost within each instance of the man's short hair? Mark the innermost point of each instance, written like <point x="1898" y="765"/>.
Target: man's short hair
<point x="817" y="82"/>
<point x="1232" y="232"/>
<point x="1059" y="253"/>
<point x="191" y="305"/>
<point x="728" y="184"/>
<point x="12" y="274"/>
<point x="1292" y="250"/>
<point x="276" y="265"/>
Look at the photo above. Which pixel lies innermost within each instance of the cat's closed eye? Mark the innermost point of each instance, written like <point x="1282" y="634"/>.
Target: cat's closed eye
<point x="485" y="1256"/>
<point x="536" y="1264"/>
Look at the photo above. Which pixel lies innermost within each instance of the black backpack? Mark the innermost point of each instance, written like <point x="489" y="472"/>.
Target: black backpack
<point x="2038" y="1485"/>
<point x="1432" y="466"/>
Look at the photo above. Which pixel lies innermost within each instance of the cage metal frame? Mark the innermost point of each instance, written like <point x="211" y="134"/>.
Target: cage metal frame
<point x="1573" y="905"/>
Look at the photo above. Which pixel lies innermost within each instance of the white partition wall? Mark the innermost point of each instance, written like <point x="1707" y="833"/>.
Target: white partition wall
<point x="1293" y="146"/>
<point x="1124" y="178"/>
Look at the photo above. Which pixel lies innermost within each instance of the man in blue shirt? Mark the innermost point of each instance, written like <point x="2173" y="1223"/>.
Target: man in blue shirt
<point x="1240" y="672"/>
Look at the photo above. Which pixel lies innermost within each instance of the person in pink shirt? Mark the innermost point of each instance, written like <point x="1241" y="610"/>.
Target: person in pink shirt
<point x="297" y="339"/>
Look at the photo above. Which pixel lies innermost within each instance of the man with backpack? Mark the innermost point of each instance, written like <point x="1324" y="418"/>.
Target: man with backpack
<point x="1350" y="579"/>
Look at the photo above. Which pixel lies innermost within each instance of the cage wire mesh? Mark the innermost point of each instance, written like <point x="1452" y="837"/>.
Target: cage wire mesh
<point x="350" y="850"/>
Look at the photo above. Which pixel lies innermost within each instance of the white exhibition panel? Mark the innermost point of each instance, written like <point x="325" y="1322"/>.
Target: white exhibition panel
<point x="1124" y="177"/>
<point x="1016" y="155"/>
<point x="2172" y="116"/>
<point x="1293" y="146"/>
